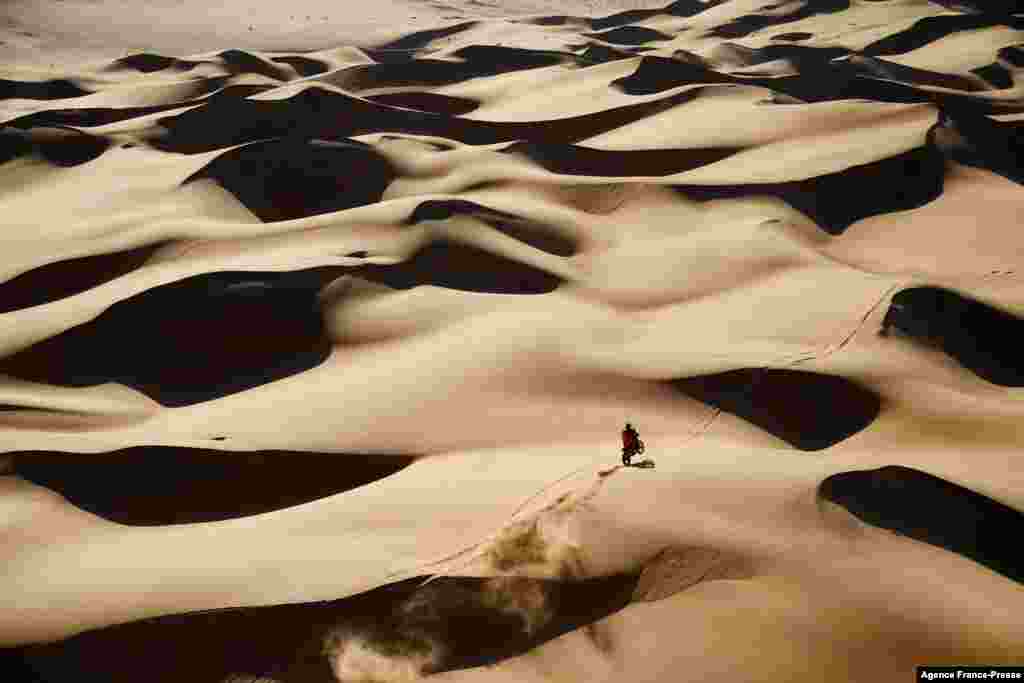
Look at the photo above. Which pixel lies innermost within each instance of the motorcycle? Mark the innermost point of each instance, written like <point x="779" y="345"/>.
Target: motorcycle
<point x="628" y="453"/>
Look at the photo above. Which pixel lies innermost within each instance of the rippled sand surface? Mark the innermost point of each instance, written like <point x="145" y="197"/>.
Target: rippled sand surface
<point x="317" y="335"/>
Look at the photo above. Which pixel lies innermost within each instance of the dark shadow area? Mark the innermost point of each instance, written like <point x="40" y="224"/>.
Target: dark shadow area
<point x="809" y="410"/>
<point x="822" y="78"/>
<point x="795" y="36"/>
<point x="680" y="8"/>
<point x="579" y="160"/>
<point x="241" y="62"/>
<point x="657" y="74"/>
<point x="14" y="144"/>
<point x="511" y="58"/>
<point x="101" y="116"/>
<point x="86" y="116"/>
<point x="66" y="278"/>
<point x="287" y="642"/>
<point x="455" y="265"/>
<point x="691" y="8"/>
<point x="933" y="510"/>
<point x="147" y="62"/>
<point x="293" y="178"/>
<point x="411" y="73"/>
<point x="478" y="61"/>
<point x="318" y="113"/>
<point x="193" y="340"/>
<point x="15" y="666"/>
<point x="997" y="146"/>
<point x="304" y="66"/>
<point x="228" y="92"/>
<point x="595" y="53"/>
<point x="982" y="6"/>
<point x="511" y="225"/>
<point x="420" y="39"/>
<point x="629" y="35"/>
<point x="428" y="101"/>
<point x="67" y="147"/>
<point x="983" y="339"/>
<point x="59" y="146"/>
<point x="1012" y="55"/>
<point x="228" y="122"/>
<point x="611" y="21"/>
<point x="996" y="75"/>
<point x="803" y="58"/>
<point x="930" y="29"/>
<point x="157" y="485"/>
<point x="54" y="89"/>
<point x="390" y="56"/>
<point x="748" y="23"/>
<point x="622" y="18"/>
<point x="885" y="69"/>
<point x="554" y="20"/>
<point x="835" y="201"/>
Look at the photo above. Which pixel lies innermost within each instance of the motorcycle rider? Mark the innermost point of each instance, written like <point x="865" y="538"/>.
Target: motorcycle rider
<point x="630" y="444"/>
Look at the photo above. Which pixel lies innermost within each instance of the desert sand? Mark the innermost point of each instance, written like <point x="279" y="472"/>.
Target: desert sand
<point x="474" y="240"/>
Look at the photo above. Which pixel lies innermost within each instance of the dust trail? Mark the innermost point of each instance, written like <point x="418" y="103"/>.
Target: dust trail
<point x="374" y="656"/>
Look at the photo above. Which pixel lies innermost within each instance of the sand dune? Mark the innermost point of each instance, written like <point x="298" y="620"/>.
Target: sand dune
<point x="303" y="307"/>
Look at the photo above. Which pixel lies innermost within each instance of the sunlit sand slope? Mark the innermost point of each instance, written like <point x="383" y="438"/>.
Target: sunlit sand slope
<point x="782" y="240"/>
